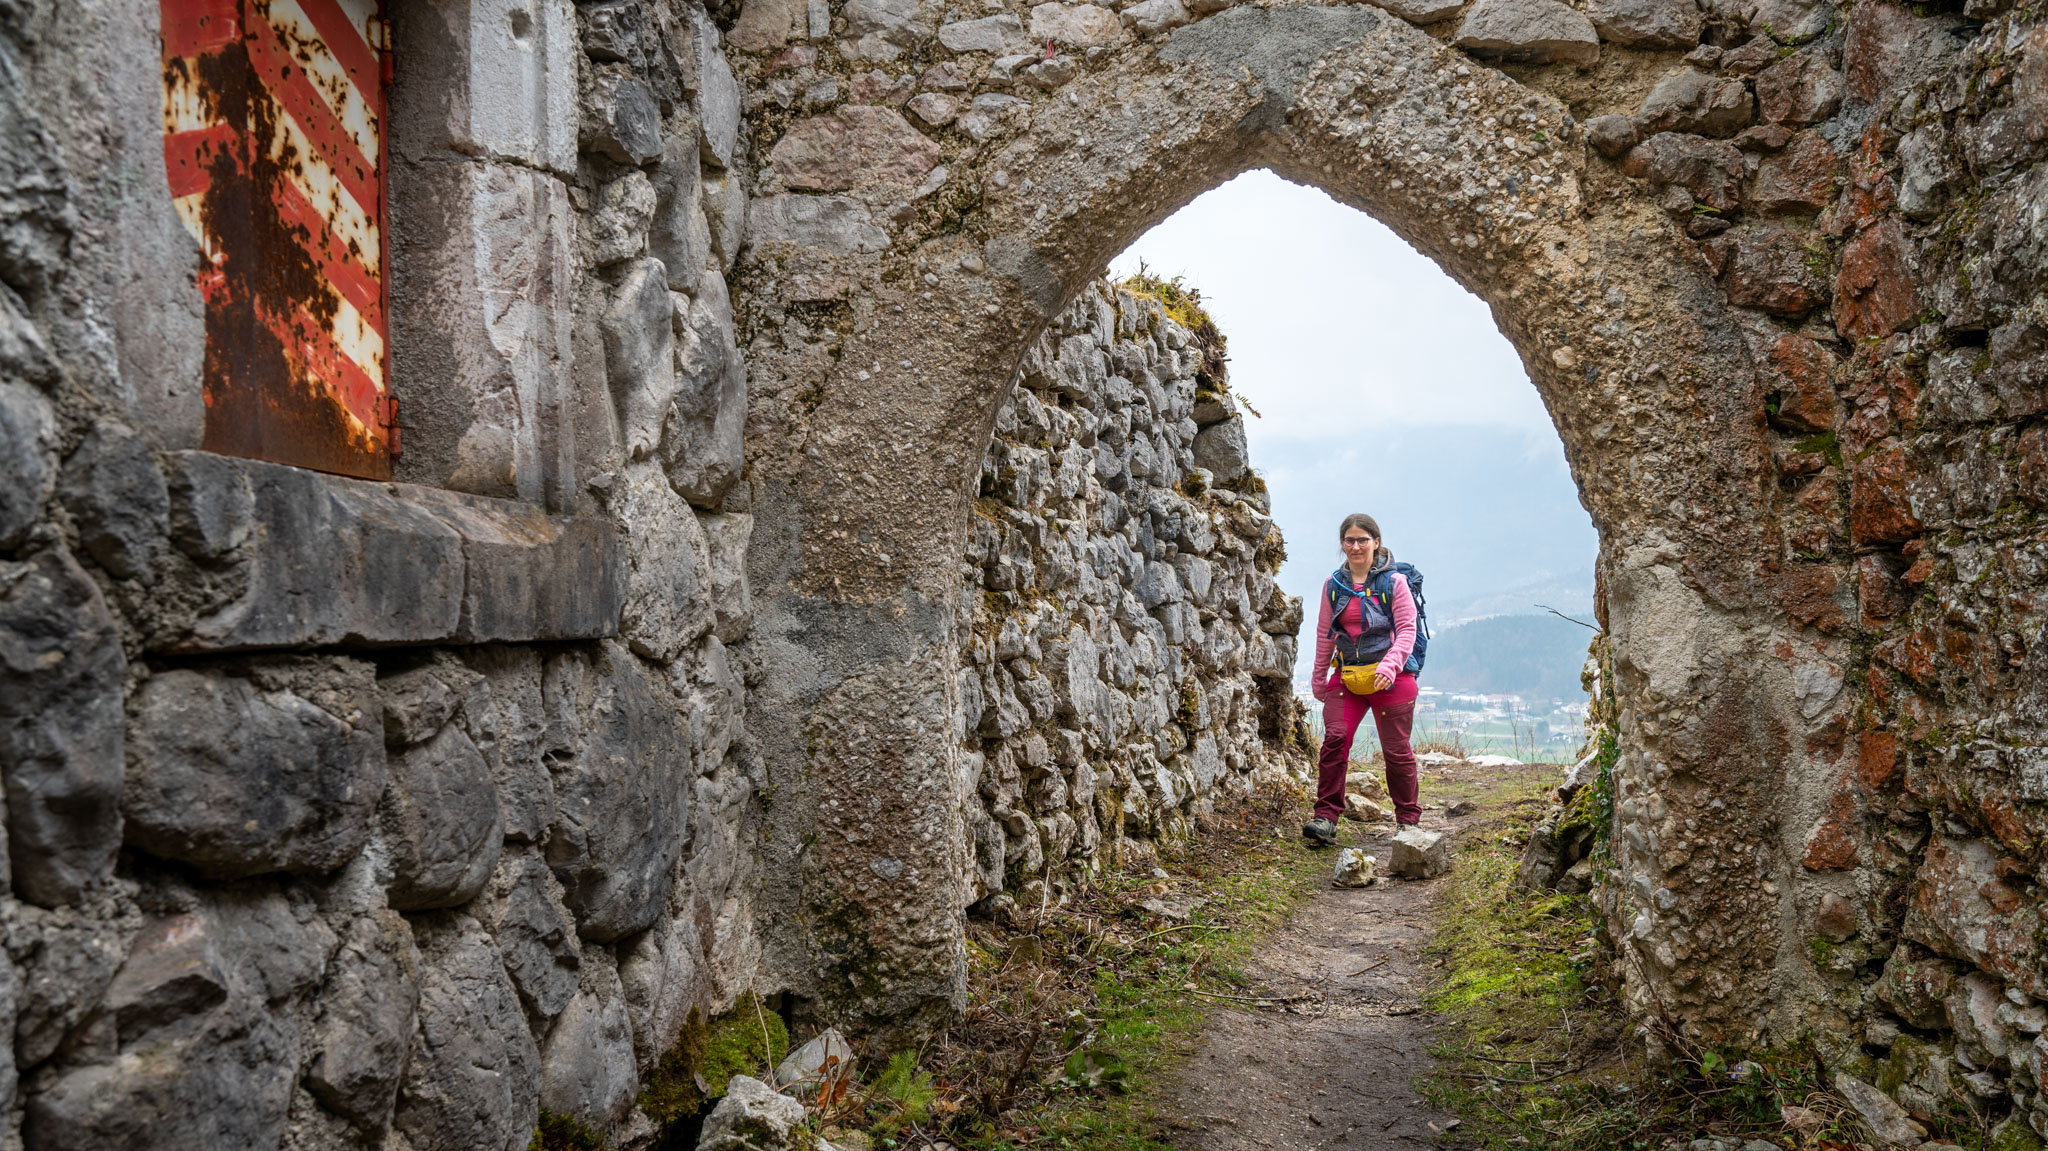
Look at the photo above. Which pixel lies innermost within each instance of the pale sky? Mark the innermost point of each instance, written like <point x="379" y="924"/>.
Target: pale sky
<point x="1384" y="387"/>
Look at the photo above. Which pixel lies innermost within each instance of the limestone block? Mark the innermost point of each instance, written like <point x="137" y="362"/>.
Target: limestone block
<point x="996" y="34"/>
<point x="205" y="1016"/>
<point x="533" y="934"/>
<point x="1799" y="90"/>
<point x="1886" y="1119"/>
<point x="1612" y="136"/>
<point x="62" y="728"/>
<point x="1415" y="12"/>
<point x="66" y="958"/>
<point x="480" y="326"/>
<point x="766" y="25"/>
<point x="527" y="575"/>
<point x="28" y="466"/>
<point x="661" y="979"/>
<point x="622" y="787"/>
<point x="814" y="225"/>
<point x="1925" y="172"/>
<point x="495" y="79"/>
<point x="1539" y="31"/>
<point x="621" y="119"/>
<point x="1354" y="868"/>
<point x="239" y="775"/>
<point x="1710" y="170"/>
<point x="680" y="233"/>
<point x="936" y="109"/>
<point x="639" y="354"/>
<point x="587" y="1070"/>
<point x="1792" y="21"/>
<point x="702" y="449"/>
<point x="441" y="823"/>
<point x="1222" y="450"/>
<point x="615" y="30"/>
<point x="751" y="1117"/>
<point x="717" y="92"/>
<point x="1362" y="809"/>
<point x="902" y="23"/>
<point x="725" y="212"/>
<point x="508" y="723"/>
<point x="116" y="495"/>
<point x="1075" y="25"/>
<point x="1420" y="854"/>
<point x="668" y="602"/>
<point x="857" y="147"/>
<point x="1767" y="268"/>
<point x="472" y="1077"/>
<point x="732" y="603"/>
<point x="1689" y="100"/>
<point x="625" y="212"/>
<point x="1647" y="23"/>
<point x="370" y="1003"/>
<point x="1962" y="909"/>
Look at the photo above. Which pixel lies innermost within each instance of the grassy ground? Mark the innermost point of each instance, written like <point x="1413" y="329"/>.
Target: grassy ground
<point x="1531" y="1040"/>
<point x="1076" y="1010"/>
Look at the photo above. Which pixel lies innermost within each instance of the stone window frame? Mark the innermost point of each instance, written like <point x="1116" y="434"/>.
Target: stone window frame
<point x="474" y="540"/>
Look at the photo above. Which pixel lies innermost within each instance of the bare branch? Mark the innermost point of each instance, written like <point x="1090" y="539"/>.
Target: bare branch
<point x="1561" y="615"/>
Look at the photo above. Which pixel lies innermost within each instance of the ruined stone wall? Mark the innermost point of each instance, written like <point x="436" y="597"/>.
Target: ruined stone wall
<point x="340" y="813"/>
<point x="1126" y="656"/>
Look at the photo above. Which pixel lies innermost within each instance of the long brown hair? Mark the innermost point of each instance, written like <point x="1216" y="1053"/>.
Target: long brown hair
<point x="1360" y="520"/>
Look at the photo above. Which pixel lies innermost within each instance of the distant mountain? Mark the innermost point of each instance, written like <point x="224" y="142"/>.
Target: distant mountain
<point x="1534" y="656"/>
<point x="1569" y="592"/>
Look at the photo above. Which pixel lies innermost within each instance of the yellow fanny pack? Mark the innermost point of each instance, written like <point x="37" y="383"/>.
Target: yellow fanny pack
<point x="1358" y="678"/>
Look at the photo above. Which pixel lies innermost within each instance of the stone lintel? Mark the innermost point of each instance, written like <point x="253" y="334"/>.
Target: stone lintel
<point x="329" y="561"/>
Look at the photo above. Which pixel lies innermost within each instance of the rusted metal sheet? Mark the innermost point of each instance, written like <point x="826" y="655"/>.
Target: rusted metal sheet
<point x="274" y="140"/>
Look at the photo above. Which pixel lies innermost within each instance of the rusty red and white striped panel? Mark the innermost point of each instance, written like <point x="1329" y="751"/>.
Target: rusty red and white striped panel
<point x="274" y="143"/>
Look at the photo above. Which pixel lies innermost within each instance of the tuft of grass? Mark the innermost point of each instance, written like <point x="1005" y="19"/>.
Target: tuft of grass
<point x="1183" y="304"/>
<point x="559" y="1132"/>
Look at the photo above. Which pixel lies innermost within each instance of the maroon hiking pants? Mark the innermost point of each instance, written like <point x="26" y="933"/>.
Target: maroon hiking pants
<point x="1393" y="712"/>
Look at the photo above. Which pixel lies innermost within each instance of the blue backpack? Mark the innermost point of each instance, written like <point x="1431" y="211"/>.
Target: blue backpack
<point x="1379" y="601"/>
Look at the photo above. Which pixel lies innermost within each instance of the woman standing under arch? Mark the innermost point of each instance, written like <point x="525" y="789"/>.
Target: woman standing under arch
<point x="1365" y="632"/>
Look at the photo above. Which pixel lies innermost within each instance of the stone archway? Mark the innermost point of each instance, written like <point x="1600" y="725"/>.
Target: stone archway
<point x="887" y="355"/>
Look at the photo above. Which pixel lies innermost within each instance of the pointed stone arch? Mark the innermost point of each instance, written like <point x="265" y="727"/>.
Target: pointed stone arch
<point x="888" y="320"/>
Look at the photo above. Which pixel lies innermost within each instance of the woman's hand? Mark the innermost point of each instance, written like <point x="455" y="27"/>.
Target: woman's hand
<point x="1382" y="677"/>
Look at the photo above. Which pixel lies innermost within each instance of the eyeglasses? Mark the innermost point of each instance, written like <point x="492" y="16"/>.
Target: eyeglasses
<point x="1357" y="541"/>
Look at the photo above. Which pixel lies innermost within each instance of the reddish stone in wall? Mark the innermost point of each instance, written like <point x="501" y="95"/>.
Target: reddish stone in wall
<point x="1877" y="589"/>
<point x="1799" y="179"/>
<point x="1877" y="760"/>
<point x="1874" y="293"/>
<point x="1807" y="593"/>
<point x="1832" y="844"/>
<point x="1879" y="512"/>
<point x="1961" y="909"/>
<point x="1769" y="269"/>
<point x="1800" y="372"/>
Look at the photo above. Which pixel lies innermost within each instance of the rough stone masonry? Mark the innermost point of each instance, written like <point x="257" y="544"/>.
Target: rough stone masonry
<point x="387" y="814"/>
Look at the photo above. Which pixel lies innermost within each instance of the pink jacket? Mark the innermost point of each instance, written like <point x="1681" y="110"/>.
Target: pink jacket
<point x="1322" y="682"/>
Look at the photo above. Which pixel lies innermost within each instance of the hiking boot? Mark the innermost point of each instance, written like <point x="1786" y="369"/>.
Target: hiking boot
<point x="1319" y="832"/>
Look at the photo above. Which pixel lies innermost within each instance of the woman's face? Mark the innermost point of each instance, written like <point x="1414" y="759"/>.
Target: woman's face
<point x="1359" y="547"/>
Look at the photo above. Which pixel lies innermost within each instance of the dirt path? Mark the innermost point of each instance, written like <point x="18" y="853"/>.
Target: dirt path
<point x="1334" y="1069"/>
